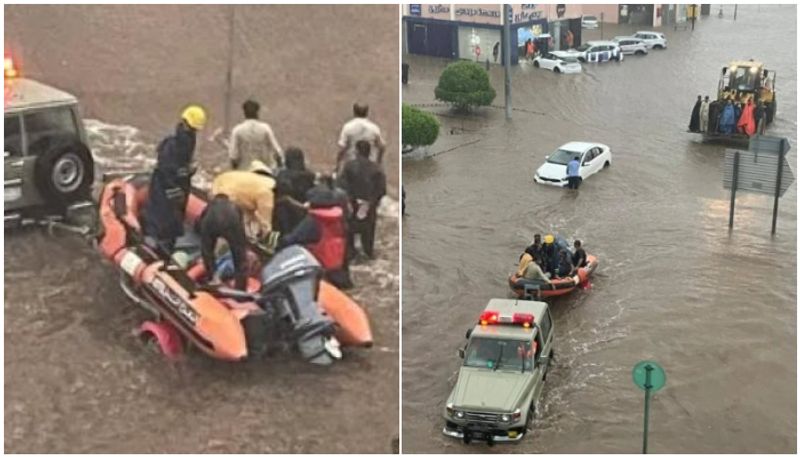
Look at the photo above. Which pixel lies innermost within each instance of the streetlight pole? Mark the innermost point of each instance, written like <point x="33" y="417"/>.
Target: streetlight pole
<point x="229" y="75"/>
<point x="507" y="56"/>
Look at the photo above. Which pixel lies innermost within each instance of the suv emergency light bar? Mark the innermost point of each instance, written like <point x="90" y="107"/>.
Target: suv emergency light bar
<point x="494" y="317"/>
<point x="9" y="71"/>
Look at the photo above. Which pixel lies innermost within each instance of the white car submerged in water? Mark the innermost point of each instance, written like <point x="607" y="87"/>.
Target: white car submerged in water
<point x="549" y="61"/>
<point x="593" y="157"/>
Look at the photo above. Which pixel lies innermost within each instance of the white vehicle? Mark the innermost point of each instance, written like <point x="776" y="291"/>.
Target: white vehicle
<point x="589" y="22"/>
<point x="557" y="64"/>
<point x="593" y="51"/>
<point x="593" y="157"/>
<point x="654" y="40"/>
<point x="632" y="45"/>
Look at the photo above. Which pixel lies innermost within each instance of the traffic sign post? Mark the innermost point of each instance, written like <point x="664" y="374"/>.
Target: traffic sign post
<point x="763" y="168"/>
<point x="650" y="377"/>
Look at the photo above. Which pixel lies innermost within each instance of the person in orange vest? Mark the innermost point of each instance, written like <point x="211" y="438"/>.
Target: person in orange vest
<point x="324" y="232"/>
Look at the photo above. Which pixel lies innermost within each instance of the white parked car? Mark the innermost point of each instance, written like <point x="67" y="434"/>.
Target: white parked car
<point x="589" y="22"/>
<point x="654" y="40"/>
<point x="557" y="64"/>
<point x="632" y="45"/>
<point x="593" y="156"/>
<point x="593" y="51"/>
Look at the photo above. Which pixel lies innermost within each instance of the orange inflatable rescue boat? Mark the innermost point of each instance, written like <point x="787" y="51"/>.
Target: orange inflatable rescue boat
<point x="285" y="297"/>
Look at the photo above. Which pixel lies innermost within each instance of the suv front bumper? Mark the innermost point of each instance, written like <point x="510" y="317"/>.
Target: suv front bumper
<point x="479" y="432"/>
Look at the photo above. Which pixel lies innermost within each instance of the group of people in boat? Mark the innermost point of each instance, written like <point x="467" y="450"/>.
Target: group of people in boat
<point x="546" y="260"/>
<point x="273" y="206"/>
<point x="728" y="115"/>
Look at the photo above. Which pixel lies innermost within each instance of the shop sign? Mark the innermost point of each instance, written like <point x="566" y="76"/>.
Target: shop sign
<point x="415" y="9"/>
<point x="478" y="12"/>
<point x="439" y="9"/>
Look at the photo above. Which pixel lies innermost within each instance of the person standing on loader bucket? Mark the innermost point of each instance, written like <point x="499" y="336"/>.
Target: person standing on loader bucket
<point x="170" y="183"/>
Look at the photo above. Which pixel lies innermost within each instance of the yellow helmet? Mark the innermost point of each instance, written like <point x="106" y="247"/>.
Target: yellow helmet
<point x="195" y="117"/>
<point x="549" y="239"/>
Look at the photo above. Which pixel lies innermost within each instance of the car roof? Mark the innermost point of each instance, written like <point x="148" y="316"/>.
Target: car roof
<point x="23" y="94"/>
<point x="649" y="31"/>
<point x="600" y="42"/>
<point x="579" y="146"/>
<point x="507" y="306"/>
<point x="627" y="38"/>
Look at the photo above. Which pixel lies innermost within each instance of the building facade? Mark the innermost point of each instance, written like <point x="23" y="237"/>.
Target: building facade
<point x="474" y="31"/>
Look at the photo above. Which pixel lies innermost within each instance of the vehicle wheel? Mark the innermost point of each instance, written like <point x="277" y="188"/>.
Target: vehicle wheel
<point x="607" y="164"/>
<point x="658" y="46"/>
<point x="556" y="70"/>
<point x="64" y="172"/>
<point x="549" y="364"/>
<point x="639" y="52"/>
<point x="536" y="63"/>
<point x="581" y="59"/>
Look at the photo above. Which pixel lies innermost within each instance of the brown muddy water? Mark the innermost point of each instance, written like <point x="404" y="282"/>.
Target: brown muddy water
<point x="716" y="309"/>
<point x="76" y="379"/>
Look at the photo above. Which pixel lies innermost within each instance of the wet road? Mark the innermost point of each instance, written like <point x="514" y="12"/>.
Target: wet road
<point x="76" y="378"/>
<point x="717" y="310"/>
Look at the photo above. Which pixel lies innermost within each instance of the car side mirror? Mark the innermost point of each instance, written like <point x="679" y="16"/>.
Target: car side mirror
<point x="469" y="332"/>
<point x="6" y="154"/>
<point x="546" y="157"/>
<point x="585" y="164"/>
<point x="460" y="352"/>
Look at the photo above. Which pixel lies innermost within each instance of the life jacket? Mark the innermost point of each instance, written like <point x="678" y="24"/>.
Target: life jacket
<point x="330" y="250"/>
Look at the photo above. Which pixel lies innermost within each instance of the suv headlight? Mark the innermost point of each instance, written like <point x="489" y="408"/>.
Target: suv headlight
<point x="452" y="412"/>
<point x="512" y="417"/>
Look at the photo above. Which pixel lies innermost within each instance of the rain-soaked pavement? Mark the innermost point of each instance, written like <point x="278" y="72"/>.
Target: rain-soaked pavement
<point x="76" y="378"/>
<point x="716" y="309"/>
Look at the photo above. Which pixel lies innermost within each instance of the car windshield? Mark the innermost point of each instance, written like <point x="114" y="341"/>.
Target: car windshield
<point x="589" y="18"/>
<point x="583" y="47"/>
<point x="569" y="59"/>
<point x="562" y="157"/>
<point x="498" y="354"/>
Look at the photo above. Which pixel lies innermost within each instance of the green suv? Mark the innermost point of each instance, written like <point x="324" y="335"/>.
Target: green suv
<point x="49" y="169"/>
<point x="506" y="359"/>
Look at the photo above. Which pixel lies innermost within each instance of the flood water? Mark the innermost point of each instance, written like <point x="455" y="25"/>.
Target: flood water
<point x="76" y="379"/>
<point x="716" y="309"/>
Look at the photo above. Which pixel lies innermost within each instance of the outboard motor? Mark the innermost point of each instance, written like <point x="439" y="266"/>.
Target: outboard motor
<point x="291" y="280"/>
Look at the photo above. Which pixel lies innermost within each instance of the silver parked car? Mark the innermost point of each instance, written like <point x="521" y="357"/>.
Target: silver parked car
<point x="631" y="45"/>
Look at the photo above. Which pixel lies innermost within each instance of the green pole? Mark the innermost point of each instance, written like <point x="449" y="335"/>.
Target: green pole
<point x="647" y="387"/>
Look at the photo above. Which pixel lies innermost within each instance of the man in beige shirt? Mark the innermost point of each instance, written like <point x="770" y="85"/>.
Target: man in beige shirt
<point x="253" y="140"/>
<point x="359" y="129"/>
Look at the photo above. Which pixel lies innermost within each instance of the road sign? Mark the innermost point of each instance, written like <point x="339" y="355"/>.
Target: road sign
<point x="645" y="369"/>
<point x="650" y="377"/>
<point x="758" y="165"/>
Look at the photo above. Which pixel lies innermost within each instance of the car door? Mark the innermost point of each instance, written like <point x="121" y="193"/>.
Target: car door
<point x="605" y="53"/>
<point x="547" y="61"/>
<point x="539" y="366"/>
<point x="13" y="161"/>
<point x="587" y="164"/>
<point x="595" y="165"/>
